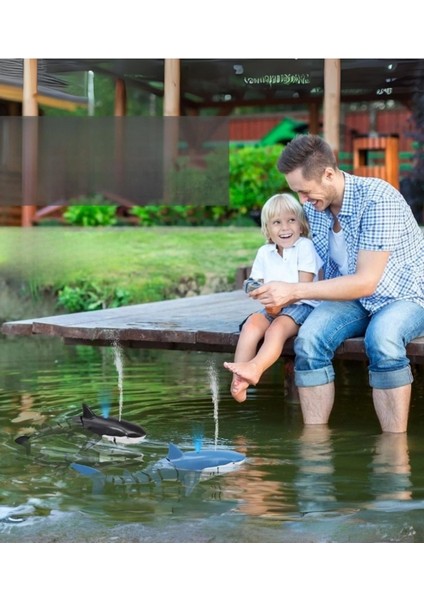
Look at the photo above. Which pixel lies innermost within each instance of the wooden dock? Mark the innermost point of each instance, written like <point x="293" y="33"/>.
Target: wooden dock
<point x="207" y="323"/>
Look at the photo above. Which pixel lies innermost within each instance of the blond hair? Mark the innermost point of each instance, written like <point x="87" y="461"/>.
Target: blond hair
<point x="278" y="204"/>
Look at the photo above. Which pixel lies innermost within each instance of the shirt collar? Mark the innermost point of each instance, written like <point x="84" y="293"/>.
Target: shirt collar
<point x="274" y="248"/>
<point x="348" y="195"/>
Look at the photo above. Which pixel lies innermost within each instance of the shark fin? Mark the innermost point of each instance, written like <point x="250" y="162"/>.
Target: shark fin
<point x="85" y="470"/>
<point x="174" y="452"/>
<point x="25" y="441"/>
<point x="87" y="413"/>
<point x="190" y="479"/>
<point x="96" y="476"/>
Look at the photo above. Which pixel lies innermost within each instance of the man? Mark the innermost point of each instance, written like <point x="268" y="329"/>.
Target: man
<point x="373" y="254"/>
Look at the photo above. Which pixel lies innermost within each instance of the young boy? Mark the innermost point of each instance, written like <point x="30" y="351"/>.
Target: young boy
<point x="288" y="256"/>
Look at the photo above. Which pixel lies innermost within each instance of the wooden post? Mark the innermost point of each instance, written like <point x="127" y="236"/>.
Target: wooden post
<point x="120" y="98"/>
<point x="313" y="118"/>
<point x="332" y="79"/>
<point x="171" y="108"/>
<point x="120" y="111"/>
<point x="29" y="95"/>
<point x="171" y="92"/>
<point x="29" y="141"/>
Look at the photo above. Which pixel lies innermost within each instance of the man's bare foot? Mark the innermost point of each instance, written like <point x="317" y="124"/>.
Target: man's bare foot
<point x="249" y="371"/>
<point x="239" y="388"/>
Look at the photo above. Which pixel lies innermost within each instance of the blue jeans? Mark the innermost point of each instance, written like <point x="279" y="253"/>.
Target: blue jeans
<point x="298" y="312"/>
<point x="386" y="332"/>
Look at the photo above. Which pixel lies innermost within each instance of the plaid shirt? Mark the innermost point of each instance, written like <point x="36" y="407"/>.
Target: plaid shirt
<point x="375" y="216"/>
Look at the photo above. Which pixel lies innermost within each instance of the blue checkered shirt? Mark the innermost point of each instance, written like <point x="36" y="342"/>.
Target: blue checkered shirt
<point x="375" y="216"/>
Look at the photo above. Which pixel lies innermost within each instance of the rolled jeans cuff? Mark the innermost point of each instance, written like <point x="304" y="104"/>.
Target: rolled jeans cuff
<point x="315" y="377"/>
<point x="386" y="380"/>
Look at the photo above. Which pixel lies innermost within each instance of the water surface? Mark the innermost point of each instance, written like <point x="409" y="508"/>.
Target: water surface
<point x="343" y="483"/>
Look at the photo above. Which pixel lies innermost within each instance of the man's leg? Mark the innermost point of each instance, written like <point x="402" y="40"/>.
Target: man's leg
<point x="316" y="403"/>
<point x="388" y="333"/>
<point x="328" y="325"/>
<point x="392" y="408"/>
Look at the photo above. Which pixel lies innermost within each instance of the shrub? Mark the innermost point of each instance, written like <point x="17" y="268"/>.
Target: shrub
<point x="254" y="176"/>
<point x="85" y="296"/>
<point x="97" y="213"/>
<point x="154" y="214"/>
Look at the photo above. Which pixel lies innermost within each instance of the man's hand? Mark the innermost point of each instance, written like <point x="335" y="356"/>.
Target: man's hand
<point x="273" y="311"/>
<point x="275" y="294"/>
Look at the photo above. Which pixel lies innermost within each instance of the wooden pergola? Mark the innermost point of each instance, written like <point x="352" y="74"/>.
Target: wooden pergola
<point x="171" y="104"/>
<point x="363" y="82"/>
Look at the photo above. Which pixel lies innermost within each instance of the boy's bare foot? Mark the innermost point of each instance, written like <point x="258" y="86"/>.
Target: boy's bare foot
<point x="239" y="388"/>
<point x="248" y="371"/>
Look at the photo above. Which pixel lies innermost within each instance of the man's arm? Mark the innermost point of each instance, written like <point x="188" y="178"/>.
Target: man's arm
<point x="363" y="282"/>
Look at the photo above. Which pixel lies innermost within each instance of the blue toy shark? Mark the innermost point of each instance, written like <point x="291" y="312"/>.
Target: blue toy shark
<point x="208" y="462"/>
<point x="187" y="467"/>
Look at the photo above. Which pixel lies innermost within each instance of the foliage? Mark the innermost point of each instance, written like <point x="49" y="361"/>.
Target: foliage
<point x="412" y="187"/>
<point x="254" y="176"/>
<point x="205" y="183"/>
<point x="91" y="215"/>
<point x="85" y="296"/>
<point x="147" y="262"/>
<point x="154" y="214"/>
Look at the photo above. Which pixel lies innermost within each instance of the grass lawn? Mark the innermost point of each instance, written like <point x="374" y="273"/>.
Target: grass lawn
<point x="147" y="263"/>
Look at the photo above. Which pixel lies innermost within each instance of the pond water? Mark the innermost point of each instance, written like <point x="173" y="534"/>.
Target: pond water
<point x="343" y="483"/>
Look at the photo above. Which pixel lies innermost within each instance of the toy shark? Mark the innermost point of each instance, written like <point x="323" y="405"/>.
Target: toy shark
<point x="187" y="467"/>
<point x="109" y="428"/>
<point x="72" y="439"/>
<point x="211" y="462"/>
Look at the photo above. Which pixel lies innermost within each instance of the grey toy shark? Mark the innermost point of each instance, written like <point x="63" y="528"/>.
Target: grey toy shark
<point x="187" y="467"/>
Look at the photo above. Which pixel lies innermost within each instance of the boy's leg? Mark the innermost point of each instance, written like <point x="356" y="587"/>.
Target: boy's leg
<point x="251" y="334"/>
<point x="282" y="328"/>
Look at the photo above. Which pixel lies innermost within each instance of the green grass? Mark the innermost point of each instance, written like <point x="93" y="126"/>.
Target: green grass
<point x="148" y="263"/>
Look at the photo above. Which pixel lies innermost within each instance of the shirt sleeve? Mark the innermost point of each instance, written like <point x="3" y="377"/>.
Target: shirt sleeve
<point x="308" y="259"/>
<point x="381" y="224"/>
<point x="258" y="267"/>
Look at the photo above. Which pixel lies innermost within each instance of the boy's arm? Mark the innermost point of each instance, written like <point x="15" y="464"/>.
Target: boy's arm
<point x="363" y="282"/>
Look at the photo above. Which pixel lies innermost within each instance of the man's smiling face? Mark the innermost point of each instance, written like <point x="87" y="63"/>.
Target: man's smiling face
<point x="321" y="194"/>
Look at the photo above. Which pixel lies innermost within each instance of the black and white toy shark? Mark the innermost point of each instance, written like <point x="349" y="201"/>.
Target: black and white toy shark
<point x="110" y="428"/>
<point x="88" y="436"/>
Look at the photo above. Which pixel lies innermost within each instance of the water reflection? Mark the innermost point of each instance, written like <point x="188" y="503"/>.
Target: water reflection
<point x="391" y="469"/>
<point x="315" y="474"/>
<point x="342" y="482"/>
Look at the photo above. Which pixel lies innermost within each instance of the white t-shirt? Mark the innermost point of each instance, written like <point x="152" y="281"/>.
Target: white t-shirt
<point x="338" y="251"/>
<point x="302" y="256"/>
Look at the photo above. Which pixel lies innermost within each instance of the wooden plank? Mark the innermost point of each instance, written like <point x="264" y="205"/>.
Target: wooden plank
<point x="209" y="322"/>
